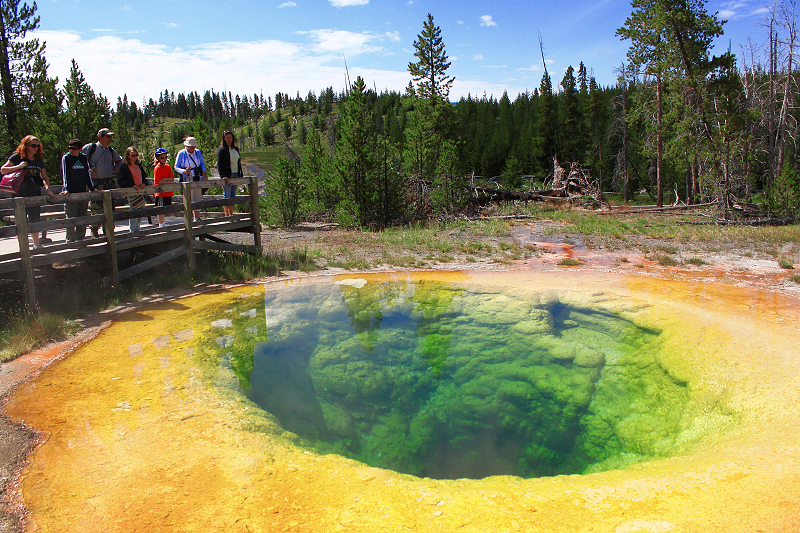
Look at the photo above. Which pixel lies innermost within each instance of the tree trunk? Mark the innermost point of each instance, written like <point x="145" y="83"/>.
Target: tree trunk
<point x="659" y="141"/>
<point x="786" y="98"/>
<point x="5" y="79"/>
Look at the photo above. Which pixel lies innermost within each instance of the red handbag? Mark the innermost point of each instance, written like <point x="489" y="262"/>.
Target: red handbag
<point x="12" y="181"/>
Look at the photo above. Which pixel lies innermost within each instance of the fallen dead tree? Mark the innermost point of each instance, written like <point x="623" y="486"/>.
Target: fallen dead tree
<point x="574" y="188"/>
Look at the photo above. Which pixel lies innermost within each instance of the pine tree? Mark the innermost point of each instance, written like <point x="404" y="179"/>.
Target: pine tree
<point x="544" y="143"/>
<point x="86" y="111"/>
<point x="17" y="56"/>
<point x="570" y="119"/>
<point x="430" y="70"/>
<point x="355" y="159"/>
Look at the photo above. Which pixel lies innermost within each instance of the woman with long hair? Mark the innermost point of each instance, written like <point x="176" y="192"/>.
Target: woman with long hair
<point x="229" y="165"/>
<point x="28" y="155"/>
<point x="132" y="174"/>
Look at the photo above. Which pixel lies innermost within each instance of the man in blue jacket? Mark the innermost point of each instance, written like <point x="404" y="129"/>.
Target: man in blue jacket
<point x="77" y="179"/>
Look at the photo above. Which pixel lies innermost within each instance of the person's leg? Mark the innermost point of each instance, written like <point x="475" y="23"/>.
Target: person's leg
<point x="71" y="211"/>
<point x="97" y="207"/>
<point x="134" y="222"/>
<point x="197" y="196"/>
<point x="229" y="191"/>
<point x="82" y="211"/>
<point x="34" y="216"/>
<point x="160" y="203"/>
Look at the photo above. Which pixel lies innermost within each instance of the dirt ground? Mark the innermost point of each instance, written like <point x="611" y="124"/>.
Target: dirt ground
<point x="546" y="245"/>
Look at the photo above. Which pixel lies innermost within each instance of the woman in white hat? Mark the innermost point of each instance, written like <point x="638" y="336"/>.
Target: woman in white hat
<point x="189" y="164"/>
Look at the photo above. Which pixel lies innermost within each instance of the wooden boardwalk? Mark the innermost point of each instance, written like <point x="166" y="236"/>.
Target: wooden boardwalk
<point x="182" y="239"/>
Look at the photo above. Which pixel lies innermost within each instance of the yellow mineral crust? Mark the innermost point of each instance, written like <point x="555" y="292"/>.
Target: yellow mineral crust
<point x="133" y="440"/>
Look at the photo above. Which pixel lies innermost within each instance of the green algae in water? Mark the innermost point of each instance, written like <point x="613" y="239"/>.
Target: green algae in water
<point x="441" y="381"/>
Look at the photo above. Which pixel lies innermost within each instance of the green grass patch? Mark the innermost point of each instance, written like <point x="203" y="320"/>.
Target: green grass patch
<point x="265" y="159"/>
<point x="569" y="261"/>
<point x="29" y="332"/>
<point x="350" y="263"/>
<point x="664" y="260"/>
<point x="696" y="261"/>
<point x="785" y="263"/>
<point x="795" y="278"/>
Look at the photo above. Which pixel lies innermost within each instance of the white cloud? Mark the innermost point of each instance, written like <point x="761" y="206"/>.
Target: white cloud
<point x="495" y="66"/>
<point x="393" y="36"/>
<point x="460" y="22"/>
<point x="477" y="57"/>
<point x="760" y="11"/>
<point x="486" y="20"/>
<point x="171" y="24"/>
<point x="287" y="4"/>
<point x="245" y="67"/>
<point x="340" y="41"/>
<point x="726" y="14"/>
<point x="536" y="67"/>
<point x="345" y="3"/>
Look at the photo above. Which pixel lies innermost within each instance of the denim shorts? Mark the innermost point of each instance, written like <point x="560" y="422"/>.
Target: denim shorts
<point x="229" y="191"/>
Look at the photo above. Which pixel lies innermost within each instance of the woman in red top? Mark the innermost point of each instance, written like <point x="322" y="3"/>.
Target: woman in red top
<point x="162" y="173"/>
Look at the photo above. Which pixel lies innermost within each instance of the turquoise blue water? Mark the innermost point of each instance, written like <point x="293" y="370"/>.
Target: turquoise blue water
<point x="444" y="381"/>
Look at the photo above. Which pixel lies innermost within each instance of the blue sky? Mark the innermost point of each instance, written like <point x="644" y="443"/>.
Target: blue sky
<point x="253" y="46"/>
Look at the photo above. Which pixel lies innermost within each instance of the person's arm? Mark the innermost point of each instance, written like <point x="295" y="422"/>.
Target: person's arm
<point x="144" y="176"/>
<point x="64" y="174"/>
<point x="116" y="160"/>
<point x="85" y="151"/>
<point x="46" y="183"/>
<point x="223" y="156"/>
<point x="124" y="178"/>
<point x="10" y="167"/>
<point x="181" y="163"/>
<point x="203" y="164"/>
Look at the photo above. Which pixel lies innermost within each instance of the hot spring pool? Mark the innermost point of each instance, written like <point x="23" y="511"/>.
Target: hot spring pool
<point x="427" y="401"/>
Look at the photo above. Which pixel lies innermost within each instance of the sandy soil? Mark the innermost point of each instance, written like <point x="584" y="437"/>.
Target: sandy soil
<point x="547" y="246"/>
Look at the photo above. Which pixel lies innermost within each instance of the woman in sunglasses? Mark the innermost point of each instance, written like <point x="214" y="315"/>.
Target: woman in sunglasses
<point x="28" y="155"/>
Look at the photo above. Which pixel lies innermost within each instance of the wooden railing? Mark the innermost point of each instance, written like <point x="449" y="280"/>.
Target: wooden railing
<point x="26" y="259"/>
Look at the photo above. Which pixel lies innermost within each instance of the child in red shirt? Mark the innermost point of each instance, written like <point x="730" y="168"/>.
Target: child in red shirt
<point x="162" y="173"/>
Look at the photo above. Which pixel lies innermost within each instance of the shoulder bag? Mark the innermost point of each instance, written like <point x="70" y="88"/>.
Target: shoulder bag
<point x="11" y="182"/>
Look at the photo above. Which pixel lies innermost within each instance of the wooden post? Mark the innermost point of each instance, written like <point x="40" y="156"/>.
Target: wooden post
<point x="21" y="220"/>
<point x="108" y="213"/>
<point x="254" y="214"/>
<point x="186" y="190"/>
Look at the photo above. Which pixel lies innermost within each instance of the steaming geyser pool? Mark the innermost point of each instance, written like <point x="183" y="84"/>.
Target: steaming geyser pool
<point x="427" y="401"/>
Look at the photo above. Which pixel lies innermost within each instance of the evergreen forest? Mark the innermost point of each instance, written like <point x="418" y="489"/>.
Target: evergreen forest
<point x="680" y="124"/>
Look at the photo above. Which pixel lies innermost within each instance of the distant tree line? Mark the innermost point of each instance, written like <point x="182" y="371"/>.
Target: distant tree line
<point x="679" y="123"/>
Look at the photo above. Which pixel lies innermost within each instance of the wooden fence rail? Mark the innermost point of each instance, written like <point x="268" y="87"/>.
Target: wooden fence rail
<point x="26" y="259"/>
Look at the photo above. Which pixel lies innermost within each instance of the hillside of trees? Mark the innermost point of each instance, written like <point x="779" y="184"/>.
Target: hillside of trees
<point x="679" y="123"/>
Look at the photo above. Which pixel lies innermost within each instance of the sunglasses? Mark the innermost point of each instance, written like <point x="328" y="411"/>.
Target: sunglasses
<point x="34" y="145"/>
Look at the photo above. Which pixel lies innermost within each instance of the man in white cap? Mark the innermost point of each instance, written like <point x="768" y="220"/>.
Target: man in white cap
<point x="104" y="162"/>
<point x="190" y="166"/>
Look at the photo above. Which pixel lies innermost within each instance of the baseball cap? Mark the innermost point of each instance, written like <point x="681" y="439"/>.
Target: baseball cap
<point x="104" y="131"/>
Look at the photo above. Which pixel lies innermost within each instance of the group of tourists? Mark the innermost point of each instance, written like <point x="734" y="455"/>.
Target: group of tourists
<point x="95" y="167"/>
